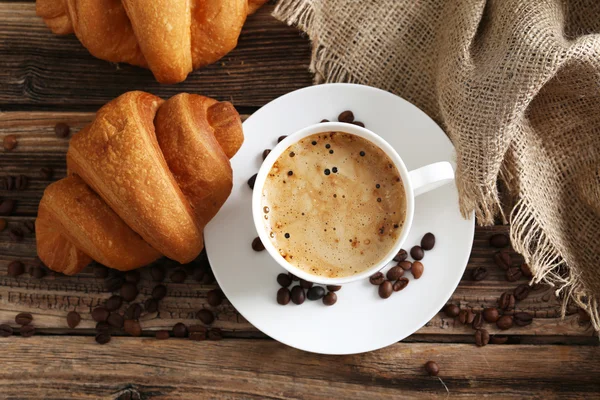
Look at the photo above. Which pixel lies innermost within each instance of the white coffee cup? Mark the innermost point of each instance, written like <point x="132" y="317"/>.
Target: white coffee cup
<point x="415" y="182"/>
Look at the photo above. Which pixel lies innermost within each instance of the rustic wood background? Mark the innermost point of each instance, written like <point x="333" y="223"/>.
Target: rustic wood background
<point x="45" y="79"/>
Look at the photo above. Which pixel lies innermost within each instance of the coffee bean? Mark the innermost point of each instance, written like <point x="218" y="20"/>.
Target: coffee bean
<point x="115" y="320"/>
<point x="162" y="335"/>
<point x="479" y="273"/>
<point x="113" y="303"/>
<point x="178" y="276"/>
<point x="324" y="120"/>
<point x="522" y="318"/>
<point x="73" y="319"/>
<point x="197" y="332"/>
<point x="505" y="322"/>
<point x="214" y="297"/>
<point x="377" y="278"/>
<point x="432" y="368"/>
<point x="330" y="299"/>
<point x="103" y="327"/>
<point x="451" y="310"/>
<point x="346" y="116"/>
<point x="151" y="305"/>
<point x="103" y="338"/>
<point x="129" y="291"/>
<point x="265" y="153"/>
<point x="9" y="142"/>
<point x="333" y="288"/>
<point x="491" y="314"/>
<point x="521" y="292"/>
<point x="526" y="271"/>
<point x="315" y="293"/>
<point x="417" y="253"/>
<point x="16" y="234"/>
<point x="506" y="302"/>
<point x="5" y="330"/>
<point x="400" y="284"/>
<point x="198" y="274"/>
<point x="257" y="244"/>
<point x="428" y="241"/>
<point x="280" y="138"/>
<point x="7" y="206"/>
<point x="23" y="319"/>
<point x="21" y="182"/>
<point x="358" y="123"/>
<point x="158" y="273"/>
<point x="180" y="330"/>
<point x="113" y="283"/>
<point x="401" y="256"/>
<point x="132" y="276"/>
<point x="100" y="314"/>
<point x="462" y="316"/>
<point x="298" y="296"/>
<point x="134" y="311"/>
<point x="3" y="224"/>
<point x="214" y="334"/>
<point x="283" y="296"/>
<point x="61" y="130"/>
<point x="482" y="337"/>
<point x="206" y="316"/>
<point x="386" y="289"/>
<point x="159" y="292"/>
<point x="499" y="240"/>
<point x="513" y="274"/>
<point x="27" y="331"/>
<point x="208" y="278"/>
<point x="29" y="226"/>
<point x="502" y="259"/>
<point x="477" y="321"/>
<point x="252" y="181"/>
<point x="132" y="327"/>
<point x="100" y="271"/>
<point x="417" y="269"/>
<point x="405" y="265"/>
<point x="496" y="339"/>
<point x="305" y="284"/>
<point x="294" y="277"/>
<point x="15" y="268"/>
<point x="46" y="173"/>
<point x="395" y="273"/>
<point x="7" y="183"/>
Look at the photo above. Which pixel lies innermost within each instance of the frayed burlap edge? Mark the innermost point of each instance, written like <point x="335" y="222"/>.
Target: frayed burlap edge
<point x="527" y="236"/>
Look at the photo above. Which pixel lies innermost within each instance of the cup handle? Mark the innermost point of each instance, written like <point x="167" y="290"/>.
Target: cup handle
<point x="431" y="177"/>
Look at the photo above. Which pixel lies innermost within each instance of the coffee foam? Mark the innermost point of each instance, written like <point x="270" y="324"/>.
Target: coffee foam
<point x="336" y="224"/>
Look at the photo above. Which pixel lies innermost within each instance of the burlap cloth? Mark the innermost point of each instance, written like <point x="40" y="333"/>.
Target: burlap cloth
<point x="516" y="86"/>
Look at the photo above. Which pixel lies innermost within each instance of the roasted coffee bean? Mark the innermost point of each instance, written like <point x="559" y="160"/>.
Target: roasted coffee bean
<point x="333" y="288"/>
<point x="159" y="292"/>
<point x="315" y="293"/>
<point x="214" y="334"/>
<point x="7" y="206"/>
<point x="162" y="335"/>
<point x="479" y="273"/>
<point x="462" y="316"/>
<point x="198" y="274"/>
<point x="100" y="314"/>
<point x="521" y="292"/>
<point x="401" y="256"/>
<point x="180" y="330"/>
<point x="3" y="224"/>
<point x="477" y="321"/>
<point x="115" y="320"/>
<point x="377" y="279"/>
<point x="386" y="289"/>
<point x="38" y="272"/>
<point x="21" y="182"/>
<point x="151" y="305"/>
<point x="283" y="296"/>
<point x="214" y="297"/>
<point x="103" y="338"/>
<point x="506" y="302"/>
<point x="29" y="226"/>
<point x="491" y="314"/>
<point x="73" y="319"/>
<point x="16" y="234"/>
<point x="526" y="271"/>
<point x="482" y="337"/>
<point x="505" y="322"/>
<point x="197" y="332"/>
<point x="23" y="319"/>
<point x="499" y="240"/>
<point x="5" y="330"/>
<point x="265" y="153"/>
<point x="15" y="268"/>
<point x="46" y="173"/>
<point x="330" y="299"/>
<point x="27" y="331"/>
<point x="178" y="276"/>
<point x="522" y="318"/>
<point x="502" y="259"/>
<point x="496" y="339"/>
<point x="134" y="311"/>
<point x="400" y="284"/>
<point x="113" y="283"/>
<point x="133" y="276"/>
<point x="103" y="327"/>
<point x="257" y="244"/>
<point x="513" y="274"/>
<point x="305" y="284"/>
<point x="395" y="273"/>
<point x="417" y="253"/>
<point x="346" y="116"/>
<point x="294" y="277"/>
<point x="61" y="130"/>
<point x="206" y="316"/>
<point x="100" y="271"/>
<point x="324" y="120"/>
<point x="405" y="265"/>
<point x="158" y="273"/>
<point x="428" y="241"/>
<point x="252" y="181"/>
<point x="417" y="269"/>
<point x="432" y="368"/>
<point x="298" y="296"/>
<point x="132" y="327"/>
<point x="208" y="278"/>
<point x="129" y="291"/>
<point x="280" y="138"/>
<point x="113" y="303"/>
<point x="358" y="123"/>
<point x="9" y="142"/>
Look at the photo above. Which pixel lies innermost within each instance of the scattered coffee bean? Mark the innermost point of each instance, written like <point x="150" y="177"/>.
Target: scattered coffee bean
<point x="417" y="253"/>
<point x="482" y="337"/>
<point x="103" y="327"/>
<point x="496" y="339"/>
<point x="522" y="318"/>
<point x="280" y="138"/>
<point x="180" y="330"/>
<point x="330" y="299"/>
<point x="100" y="271"/>
<point x="505" y="322"/>
<point x="502" y="259"/>
<point x="333" y="288"/>
<point x="451" y="310"/>
<point x="151" y="305"/>
<point x="506" y="302"/>
<point x="133" y="276"/>
<point x="103" y="338"/>
<point x="9" y="142"/>
<point x="252" y="181"/>
<point x="477" y="321"/>
<point x="113" y="303"/>
<point x="197" y="332"/>
<point x="284" y="280"/>
<point x="178" y="276"/>
<point x="158" y="273"/>
<point x="16" y="234"/>
<point x="3" y="224"/>
<point x="499" y="240"/>
<point x="432" y="368"/>
<point x="283" y="296"/>
<point x="428" y="241"/>
<point x="15" y="268"/>
<point x="46" y="173"/>
<point x="100" y="314"/>
<point x="129" y="291"/>
<point x="27" y="331"/>
<point x="395" y="273"/>
<point x="386" y="289"/>
<point x="462" y="316"/>
<point x="294" y="277"/>
<point x="526" y="271"/>
<point x="29" y="226"/>
<point x="134" y="311"/>
<point x="479" y="273"/>
<point x="400" y="284"/>
<point x="132" y="327"/>
<point x="265" y="153"/>
<point x="5" y="330"/>
<point x="405" y="265"/>
<point x="513" y="274"/>
<point x="73" y="319"/>
<point x="214" y="297"/>
<point x="305" y="284"/>
<point x="115" y="320"/>
<point x="315" y="293"/>
<point x="257" y="244"/>
<point x="377" y="279"/>
<point x="208" y="278"/>
<point x="113" y="283"/>
<point x="358" y="123"/>
<point x="21" y="182"/>
<point x="417" y="269"/>
<point x="206" y="316"/>
<point x="162" y="335"/>
<point x="346" y="116"/>
<point x="491" y="314"/>
<point x="214" y="334"/>
<point x="23" y="319"/>
<point x="521" y="292"/>
<point x="401" y="256"/>
<point x="324" y="120"/>
<point x="61" y="130"/>
<point x="198" y="274"/>
<point x="7" y="206"/>
<point x="159" y="292"/>
<point x="298" y="296"/>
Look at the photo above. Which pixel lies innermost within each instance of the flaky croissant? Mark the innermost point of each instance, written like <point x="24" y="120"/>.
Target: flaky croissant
<point x="146" y="176"/>
<point x="169" y="37"/>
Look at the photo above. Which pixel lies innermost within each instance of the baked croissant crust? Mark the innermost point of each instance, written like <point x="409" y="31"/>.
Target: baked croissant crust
<point x="147" y="176"/>
<point x="169" y="37"/>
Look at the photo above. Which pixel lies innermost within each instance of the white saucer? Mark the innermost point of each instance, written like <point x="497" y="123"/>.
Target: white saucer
<point x="360" y="321"/>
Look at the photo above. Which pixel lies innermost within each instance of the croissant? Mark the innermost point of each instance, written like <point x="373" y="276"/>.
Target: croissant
<point x="170" y="37"/>
<point x="145" y="177"/>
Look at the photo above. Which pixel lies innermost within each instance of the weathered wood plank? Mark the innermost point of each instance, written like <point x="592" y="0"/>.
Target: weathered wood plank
<point x="39" y="69"/>
<point x="75" y="368"/>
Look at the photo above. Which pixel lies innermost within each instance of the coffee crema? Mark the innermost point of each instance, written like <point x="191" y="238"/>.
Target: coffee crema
<point x="333" y="204"/>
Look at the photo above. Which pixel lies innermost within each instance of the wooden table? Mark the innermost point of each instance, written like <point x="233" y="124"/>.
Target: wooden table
<point x="45" y="79"/>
